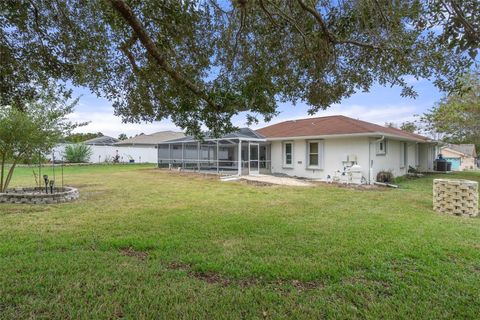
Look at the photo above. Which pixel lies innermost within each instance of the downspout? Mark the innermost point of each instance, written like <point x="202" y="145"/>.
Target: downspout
<point x="370" y="157"/>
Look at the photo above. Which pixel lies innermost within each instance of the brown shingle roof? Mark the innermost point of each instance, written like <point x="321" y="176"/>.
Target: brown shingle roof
<point x="332" y="125"/>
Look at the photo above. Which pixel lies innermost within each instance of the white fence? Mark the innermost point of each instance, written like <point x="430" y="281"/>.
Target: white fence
<point x="102" y="154"/>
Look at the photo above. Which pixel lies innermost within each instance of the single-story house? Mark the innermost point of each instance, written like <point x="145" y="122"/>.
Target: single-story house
<point x="101" y="141"/>
<point x="316" y="148"/>
<point x="139" y="149"/>
<point x="143" y="148"/>
<point x="462" y="156"/>
<point x="150" y="140"/>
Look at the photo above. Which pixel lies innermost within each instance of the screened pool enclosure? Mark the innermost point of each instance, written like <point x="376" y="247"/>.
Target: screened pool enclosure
<point x="242" y="152"/>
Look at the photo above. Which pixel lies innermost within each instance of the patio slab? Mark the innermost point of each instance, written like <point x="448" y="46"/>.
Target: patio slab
<point x="286" y="181"/>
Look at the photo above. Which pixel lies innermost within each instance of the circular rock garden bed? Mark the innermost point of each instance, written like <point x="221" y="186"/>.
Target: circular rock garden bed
<point x="38" y="195"/>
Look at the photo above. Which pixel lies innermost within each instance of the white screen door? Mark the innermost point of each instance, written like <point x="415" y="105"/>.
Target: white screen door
<point x="253" y="163"/>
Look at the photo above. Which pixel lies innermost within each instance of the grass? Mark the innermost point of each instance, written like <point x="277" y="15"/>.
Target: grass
<point x="145" y="243"/>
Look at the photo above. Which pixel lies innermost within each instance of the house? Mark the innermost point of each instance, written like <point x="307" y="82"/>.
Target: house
<point x="462" y="156"/>
<point x="316" y="148"/>
<point x="101" y="141"/>
<point x="143" y="148"/>
<point x="150" y="140"/>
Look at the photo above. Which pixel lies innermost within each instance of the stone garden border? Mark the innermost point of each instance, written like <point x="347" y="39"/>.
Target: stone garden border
<point x="37" y="196"/>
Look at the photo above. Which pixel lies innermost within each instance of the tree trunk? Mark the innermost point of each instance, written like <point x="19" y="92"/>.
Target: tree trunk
<point x="2" y="170"/>
<point x="10" y="174"/>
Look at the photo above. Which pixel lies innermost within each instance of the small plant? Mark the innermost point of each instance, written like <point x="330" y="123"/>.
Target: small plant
<point x="412" y="169"/>
<point x="385" y="176"/>
<point x="78" y="153"/>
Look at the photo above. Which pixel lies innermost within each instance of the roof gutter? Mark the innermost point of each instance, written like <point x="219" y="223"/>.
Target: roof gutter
<point x="347" y="135"/>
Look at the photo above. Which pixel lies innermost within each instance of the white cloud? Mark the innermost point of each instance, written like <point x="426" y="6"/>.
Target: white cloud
<point x="111" y="125"/>
<point x="379" y="115"/>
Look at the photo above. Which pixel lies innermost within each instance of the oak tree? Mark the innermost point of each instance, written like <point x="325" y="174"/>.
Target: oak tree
<point x="202" y="62"/>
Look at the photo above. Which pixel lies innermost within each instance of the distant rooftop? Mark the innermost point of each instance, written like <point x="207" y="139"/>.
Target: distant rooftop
<point x="467" y="149"/>
<point x="101" y="141"/>
<point x="151" y="139"/>
<point x="242" y="133"/>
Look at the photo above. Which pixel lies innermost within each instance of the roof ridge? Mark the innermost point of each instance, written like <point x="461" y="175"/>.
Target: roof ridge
<point x="362" y="123"/>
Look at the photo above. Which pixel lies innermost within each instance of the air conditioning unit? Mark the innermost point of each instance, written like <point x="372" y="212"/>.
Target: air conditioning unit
<point x="352" y="158"/>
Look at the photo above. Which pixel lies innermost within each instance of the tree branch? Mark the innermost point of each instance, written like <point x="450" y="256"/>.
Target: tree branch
<point x="319" y="19"/>
<point x="125" y="48"/>
<point x="126" y="12"/>
<point x="328" y="35"/>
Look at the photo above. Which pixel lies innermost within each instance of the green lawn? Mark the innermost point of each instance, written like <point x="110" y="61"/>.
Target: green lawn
<point x="145" y="243"/>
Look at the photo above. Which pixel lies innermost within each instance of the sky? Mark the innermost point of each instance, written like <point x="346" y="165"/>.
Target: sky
<point x="379" y="105"/>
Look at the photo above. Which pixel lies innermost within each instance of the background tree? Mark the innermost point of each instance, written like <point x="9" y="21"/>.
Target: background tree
<point x="409" y="126"/>
<point x="31" y="130"/>
<point x="122" y="136"/>
<point x="80" y="137"/>
<point x="202" y="62"/>
<point x="457" y="116"/>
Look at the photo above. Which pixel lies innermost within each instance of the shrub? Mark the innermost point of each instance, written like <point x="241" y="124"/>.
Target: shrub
<point x="412" y="169"/>
<point x="385" y="176"/>
<point x="78" y="153"/>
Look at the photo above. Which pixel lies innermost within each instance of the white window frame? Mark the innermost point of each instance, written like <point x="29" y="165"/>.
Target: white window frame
<point x="377" y="147"/>
<point x="284" y="154"/>
<point x="320" y="154"/>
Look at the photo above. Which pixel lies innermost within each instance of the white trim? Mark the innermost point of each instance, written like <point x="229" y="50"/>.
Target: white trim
<point x="369" y="134"/>
<point x="226" y="139"/>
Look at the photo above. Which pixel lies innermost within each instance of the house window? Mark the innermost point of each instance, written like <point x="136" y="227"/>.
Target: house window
<point x="382" y="147"/>
<point x="417" y="155"/>
<point x="314" y="155"/>
<point x="288" y="154"/>
<point x="403" y="154"/>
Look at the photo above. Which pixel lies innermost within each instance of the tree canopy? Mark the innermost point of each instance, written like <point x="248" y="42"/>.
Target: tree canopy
<point x="31" y="131"/>
<point x="457" y="117"/>
<point x="202" y="62"/>
<point x="80" y="137"/>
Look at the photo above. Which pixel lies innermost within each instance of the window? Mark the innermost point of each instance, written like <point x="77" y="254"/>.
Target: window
<point x="288" y="154"/>
<point x="315" y="153"/>
<point x="403" y="154"/>
<point x="417" y="155"/>
<point x="382" y="147"/>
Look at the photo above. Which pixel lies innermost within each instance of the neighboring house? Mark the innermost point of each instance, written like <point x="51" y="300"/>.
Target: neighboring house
<point x="462" y="156"/>
<point x="101" y="147"/>
<point x="139" y="149"/>
<point x="150" y="140"/>
<point x="315" y="148"/>
<point x="143" y="148"/>
<point x="101" y="141"/>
